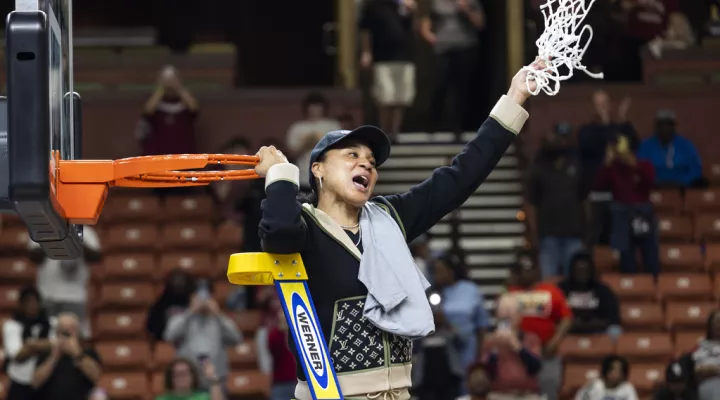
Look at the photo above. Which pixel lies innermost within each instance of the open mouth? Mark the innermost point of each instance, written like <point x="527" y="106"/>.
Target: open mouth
<point x="361" y="182"/>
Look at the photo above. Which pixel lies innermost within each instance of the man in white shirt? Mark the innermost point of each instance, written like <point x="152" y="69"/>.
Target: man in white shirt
<point x="63" y="284"/>
<point x="304" y="134"/>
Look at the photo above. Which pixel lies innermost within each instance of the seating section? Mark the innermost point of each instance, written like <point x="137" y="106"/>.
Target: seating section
<point x="143" y="239"/>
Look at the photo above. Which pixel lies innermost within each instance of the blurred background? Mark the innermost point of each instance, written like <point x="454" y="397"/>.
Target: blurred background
<point x="611" y="194"/>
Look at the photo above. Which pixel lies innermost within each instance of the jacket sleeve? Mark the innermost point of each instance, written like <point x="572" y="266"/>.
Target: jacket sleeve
<point x="282" y="230"/>
<point x="450" y="186"/>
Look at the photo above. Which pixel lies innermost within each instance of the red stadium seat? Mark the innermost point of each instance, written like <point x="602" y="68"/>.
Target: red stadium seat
<point x="14" y="239"/>
<point x="125" y="386"/>
<point x="187" y="235"/>
<point x="687" y="341"/>
<point x="681" y="257"/>
<point x="9" y="296"/>
<point x="667" y="201"/>
<point x="702" y="200"/>
<point x="131" y="208"/>
<point x="129" y="267"/>
<point x="576" y="376"/>
<point x="642" y="316"/>
<point x="243" y="356"/>
<point x="186" y="208"/>
<point x="675" y="228"/>
<point x="119" y="325"/>
<point x="707" y="227"/>
<point x="646" y="377"/>
<point x="606" y="259"/>
<point x="17" y="269"/>
<point x="126" y="295"/>
<point x="632" y="287"/>
<point x="650" y="347"/>
<point x="688" y="314"/>
<point x="140" y="236"/>
<point x="198" y="264"/>
<point x="586" y="348"/>
<point x="684" y="286"/>
<point x="124" y="355"/>
<point x="163" y="355"/>
<point x="248" y="384"/>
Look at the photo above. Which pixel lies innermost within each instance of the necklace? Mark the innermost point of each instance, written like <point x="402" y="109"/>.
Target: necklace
<point x="350" y="226"/>
<point x="359" y="238"/>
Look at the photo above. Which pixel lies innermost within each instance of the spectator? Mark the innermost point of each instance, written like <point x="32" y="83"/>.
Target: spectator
<point x="594" y="137"/>
<point x="168" y="122"/>
<point x="437" y="367"/>
<point x="386" y="39"/>
<point x="452" y="30"/>
<point x="678" y="383"/>
<point x="594" y="305"/>
<point x="175" y="299"/>
<point x="303" y="134"/>
<point x="63" y="284"/>
<point x="230" y="194"/>
<point x="544" y="312"/>
<point x="613" y="383"/>
<point x="420" y="249"/>
<point x="512" y="357"/>
<point x="676" y="161"/>
<point x="706" y="360"/>
<point x="463" y="306"/>
<point x="68" y="368"/>
<point x="556" y="191"/>
<point x="181" y="382"/>
<point x="477" y="383"/>
<point x="25" y="336"/>
<point x="274" y="355"/>
<point x="633" y="217"/>
<point x="203" y="332"/>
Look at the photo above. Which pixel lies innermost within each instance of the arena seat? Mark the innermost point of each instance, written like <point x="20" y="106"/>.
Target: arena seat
<point x="14" y="240"/>
<point x="248" y="384"/>
<point x="681" y="257"/>
<point x="605" y="259"/>
<point x="243" y="356"/>
<point x="702" y="200"/>
<point x="124" y="355"/>
<point x="707" y="227"/>
<point x="163" y="355"/>
<point x="688" y="314"/>
<point x="125" y="237"/>
<point x="197" y="263"/>
<point x="125" y="386"/>
<point x="667" y="201"/>
<point x="687" y="341"/>
<point x="126" y="295"/>
<point x="9" y="295"/>
<point x="675" y="228"/>
<point x="646" y="377"/>
<point x="712" y="171"/>
<point x="642" y="316"/>
<point x="129" y="267"/>
<point x="187" y="235"/>
<point x="684" y="286"/>
<point x="586" y="348"/>
<point x="222" y="290"/>
<point x="248" y="321"/>
<point x="187" y="208"/>
<point x="645" y="347"/>
<point x="124" y="208"/>
<point x="129" y="324"/>
<point x="157" y="383"/>
<point x="632" y="287"/>
<point x="17" y="269"/>
<point x="576" y="376"/>
<point x="229" y="237"/>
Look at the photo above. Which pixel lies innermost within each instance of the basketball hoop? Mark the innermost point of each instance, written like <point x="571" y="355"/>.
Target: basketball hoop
<point x="562" y="44"/>
<point x="82" y="185"/>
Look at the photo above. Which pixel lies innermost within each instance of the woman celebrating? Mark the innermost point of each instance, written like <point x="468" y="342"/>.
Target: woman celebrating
<point x="368" y="294"/>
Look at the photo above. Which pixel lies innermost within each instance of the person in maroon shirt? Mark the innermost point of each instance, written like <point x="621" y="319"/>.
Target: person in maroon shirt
<point x="168" y="123"/>
<point x="273" y="339"/>
<point x="634" y="224"/>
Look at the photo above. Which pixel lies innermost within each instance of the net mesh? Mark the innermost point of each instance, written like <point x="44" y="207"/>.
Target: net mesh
<point x="562" y="45"/>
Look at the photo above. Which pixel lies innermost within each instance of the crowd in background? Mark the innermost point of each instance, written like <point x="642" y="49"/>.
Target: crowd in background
<point x="588" y="185"/>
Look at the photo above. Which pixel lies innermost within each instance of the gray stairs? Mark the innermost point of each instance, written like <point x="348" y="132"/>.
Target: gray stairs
<point x="487" y="227"/>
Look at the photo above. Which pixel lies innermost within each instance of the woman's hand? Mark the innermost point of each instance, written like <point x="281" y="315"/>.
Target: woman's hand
<point x="519" y="87"/>
<point x="269" y="156"/>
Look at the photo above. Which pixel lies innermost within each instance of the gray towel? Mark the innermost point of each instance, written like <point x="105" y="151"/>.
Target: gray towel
<point x="396" y="301"/>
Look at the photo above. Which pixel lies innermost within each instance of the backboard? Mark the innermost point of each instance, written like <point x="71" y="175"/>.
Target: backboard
<point x="41" y="121"/>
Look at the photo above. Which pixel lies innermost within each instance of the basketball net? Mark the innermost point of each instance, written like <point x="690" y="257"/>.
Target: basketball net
<point x="562" y="44"/>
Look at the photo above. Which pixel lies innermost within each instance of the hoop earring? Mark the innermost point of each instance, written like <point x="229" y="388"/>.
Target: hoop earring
<point x="321" y="185"/>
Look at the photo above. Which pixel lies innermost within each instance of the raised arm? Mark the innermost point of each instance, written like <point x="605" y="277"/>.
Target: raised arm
<point x="282" y="229"/>
<point x="449" y="187"/>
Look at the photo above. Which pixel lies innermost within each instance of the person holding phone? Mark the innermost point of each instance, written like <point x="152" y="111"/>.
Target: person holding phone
<point x="69" y="368"/>
<point x="511" y="356"/>
<point x="202" y="333"/>
<point x="633" y="223"/>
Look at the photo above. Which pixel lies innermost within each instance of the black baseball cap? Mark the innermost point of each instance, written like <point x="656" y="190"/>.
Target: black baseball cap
<point x="372" y="136"/>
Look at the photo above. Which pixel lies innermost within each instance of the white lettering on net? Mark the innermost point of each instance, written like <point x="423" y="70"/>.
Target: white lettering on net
<point x="562" y="44"/>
